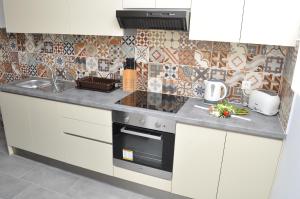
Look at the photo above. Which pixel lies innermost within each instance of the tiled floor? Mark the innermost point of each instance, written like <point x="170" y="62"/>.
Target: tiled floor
<point x="21" y="178"/>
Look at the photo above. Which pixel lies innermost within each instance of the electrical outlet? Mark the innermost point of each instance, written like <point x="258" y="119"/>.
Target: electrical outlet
<point x="246" y="85"/>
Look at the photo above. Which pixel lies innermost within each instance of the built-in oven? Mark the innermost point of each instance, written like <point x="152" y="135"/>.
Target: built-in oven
<point x="144" y="144"/>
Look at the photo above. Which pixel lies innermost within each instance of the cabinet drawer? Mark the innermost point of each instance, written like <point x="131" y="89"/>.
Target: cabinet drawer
<point x="92" y="115"/>
<point x="87" y="130"/>
<point x="88" y="154"/>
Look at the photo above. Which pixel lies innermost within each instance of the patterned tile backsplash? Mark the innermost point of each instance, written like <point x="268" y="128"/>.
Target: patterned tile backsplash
<point x="166" y="61"/>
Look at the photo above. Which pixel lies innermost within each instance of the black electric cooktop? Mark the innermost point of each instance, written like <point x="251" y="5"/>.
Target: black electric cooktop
<point x="154" y="101"/>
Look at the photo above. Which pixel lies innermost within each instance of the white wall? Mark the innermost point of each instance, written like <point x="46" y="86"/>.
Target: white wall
<point x="287" y="183"/>
<point x="2" y="21"/>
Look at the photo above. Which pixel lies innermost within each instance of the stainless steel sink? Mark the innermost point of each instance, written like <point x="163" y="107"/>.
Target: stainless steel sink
<point x="35" y="83"/>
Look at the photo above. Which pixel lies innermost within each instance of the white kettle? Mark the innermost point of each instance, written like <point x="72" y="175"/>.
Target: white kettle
<point x="213" y="91"/>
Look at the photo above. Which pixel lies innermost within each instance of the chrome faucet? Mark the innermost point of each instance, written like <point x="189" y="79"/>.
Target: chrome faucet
<point x="54" y="78"/>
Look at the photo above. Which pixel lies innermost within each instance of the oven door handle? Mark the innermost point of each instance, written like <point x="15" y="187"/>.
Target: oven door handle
<point x="124" y="130"/>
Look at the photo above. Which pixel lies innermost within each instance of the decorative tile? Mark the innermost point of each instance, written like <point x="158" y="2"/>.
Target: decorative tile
<point x="235" y="95"/>
<point x="256" y="64"/>
<point x="237" y="57"/>
<point x="185" y="43"/>
<point x="156" y="38"/>
<point x="155" y="85"/>
<point x="91" y="50"/>
<point x="128" y="51"/>
<point x="62" y="73"/>
<point x="128" y="41"/>
<point x="169" y="86"/>
<point x="115" y="40"/>
<point x="115" y="52"/>
<point x="256" y="79"/>
<point x="156" y="55"/>
<point x="291" y="58"/>
<point x="80" y="63"/>
<point x="32" y="70"/>
<point x="91" y="63"/>
<point x="198" y="89"/>
<point x="103" y="51"/>
<point x="58" y="48"/>
<point x="171" y="56"/>
<point x="41" y="70"/>
<point x="23" y="58"/>
<point x="204" y="45"/>
<point x="14" y="57"/>
<point x="48" y="47"/>
<point x="170" y="72"/>
<point x="203" y="58"/>
<point x="59" y="61"/>
<point x="219" y="59"/>
<point x="78" y="38"/>
<point x="49" y="60"/>
<point x="69" y="48"/>
<point x="221" y="46"/>
<point x="69" y="61"/>
<point x="142" y="54"/>
<point x="286" y="96"/>
<point x="200" y="74"/>
<point x="234" y="78"/>
<point x="218" y="74"/>
<point x="274" y="64"/>
<point x="155" y="70"/>
<point x="69" y="39"/>
<point x="103" y="65"/>
<point x="185" y="73"/>
<point x="272" y="82"/>
<point x="172" y="39"/>
<point x="142" y="76"/>
<point x="185" y="89"/>
<point x="254" y="50"/>
<point x="142" y="38"/>
<point x="187" y="57"/>
<point x="21" y="39"/>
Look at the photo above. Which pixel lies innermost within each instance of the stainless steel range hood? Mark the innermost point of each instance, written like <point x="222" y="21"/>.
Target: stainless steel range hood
<point x="143" y="19"/>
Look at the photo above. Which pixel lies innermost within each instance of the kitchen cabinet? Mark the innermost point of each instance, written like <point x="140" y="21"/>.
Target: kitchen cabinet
<point x="95" y="17"/>
<point x="37" y="16"/>
<point x="216" y="20"/>
<point x="197" y="161"/>
<point x="157" y="4"/>
<point x="2" y="20"/>
<point x="87" y="136"/>
<point x="15" y="114"/>
<point x="249" y="166"/>
<point x="139" y="3"/>
<point x="275" y="22"/>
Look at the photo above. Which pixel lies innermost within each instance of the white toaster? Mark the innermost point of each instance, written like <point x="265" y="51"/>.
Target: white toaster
<point x="265" y="102"/>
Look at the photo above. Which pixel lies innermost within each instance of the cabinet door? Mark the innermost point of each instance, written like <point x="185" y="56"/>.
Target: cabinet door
<point x="249" y="167"/>
<point x="138" y="3"/>
<point x="37" y="16"/>
<point x="47" y="139"/>
<point x="95" y="17"/>
<point x="197" y="161"/>
<point x="173" y="4"/>
<point x="2" y="20"/>
<point x="15" y="113"/>
<point x="216" y="20"/>
<point x="271" y="22"/>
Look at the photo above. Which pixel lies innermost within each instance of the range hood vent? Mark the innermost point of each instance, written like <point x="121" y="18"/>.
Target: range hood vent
<point x="165" y="20"/>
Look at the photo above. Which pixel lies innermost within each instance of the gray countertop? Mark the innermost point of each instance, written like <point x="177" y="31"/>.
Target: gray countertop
<point x="259" y="125"/>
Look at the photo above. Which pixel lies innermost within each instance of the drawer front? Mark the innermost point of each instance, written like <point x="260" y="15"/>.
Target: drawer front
<point x="89" y="154"/>
<point x="86" y="130"/>
<point x="92" y="115"/>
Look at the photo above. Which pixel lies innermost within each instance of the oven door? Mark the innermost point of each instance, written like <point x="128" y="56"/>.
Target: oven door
<point x="143" y="150"/>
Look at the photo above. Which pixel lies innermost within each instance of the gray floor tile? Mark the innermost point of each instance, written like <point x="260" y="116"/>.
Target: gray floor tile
<point x="35" y="192"/>
<point x="51" y="178"/>
<point x="10" y="186"/>
<point x="15" y="166"/>
<point x="90" y="189"/>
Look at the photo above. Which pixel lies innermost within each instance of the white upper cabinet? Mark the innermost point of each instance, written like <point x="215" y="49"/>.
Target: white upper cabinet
<point x="173" y="4"/>
<point x="37" y="16"/>
<point x="2" y="20"/>
<point x="271" y="22"/>
<point x="157" y="4"/>
<point x="138" y="3"/>
<point x="95" y="17"/>
<point x="216" y="20"/>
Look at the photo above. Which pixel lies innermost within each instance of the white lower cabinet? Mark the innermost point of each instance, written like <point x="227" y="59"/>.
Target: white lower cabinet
<point x="15" y="114"/>
<point x="197" y="161"/>
<point x="249" y="167"/>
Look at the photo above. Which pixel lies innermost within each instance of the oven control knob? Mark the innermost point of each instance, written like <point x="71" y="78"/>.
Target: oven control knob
<point x="126" y="119"/>
<point x="157" y="125"/>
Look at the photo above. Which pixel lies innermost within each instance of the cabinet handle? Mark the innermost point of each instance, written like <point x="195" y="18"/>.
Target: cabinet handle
<point x="83" y="137"/>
